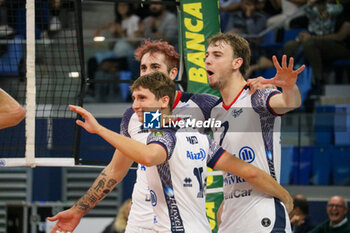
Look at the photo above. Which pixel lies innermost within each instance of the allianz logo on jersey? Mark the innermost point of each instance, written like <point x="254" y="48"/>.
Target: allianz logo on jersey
<point x="201" y="155"/>
<point x="152" y="120"/>
<point x="247" y="154"/>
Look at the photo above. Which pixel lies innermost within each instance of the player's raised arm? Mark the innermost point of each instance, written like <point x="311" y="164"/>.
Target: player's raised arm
<point x="285" y="78"/>
<point x="147" y="155"/>
<point x="110" y="176"/>
<point x="255" y="176"/>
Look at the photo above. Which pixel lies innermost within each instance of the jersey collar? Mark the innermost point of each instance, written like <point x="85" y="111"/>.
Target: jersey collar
<point x="227" y="107"/>
<point x="177" y="100"/>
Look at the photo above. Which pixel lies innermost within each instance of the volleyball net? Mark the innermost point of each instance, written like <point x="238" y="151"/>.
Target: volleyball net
<point x="41" y="66"/>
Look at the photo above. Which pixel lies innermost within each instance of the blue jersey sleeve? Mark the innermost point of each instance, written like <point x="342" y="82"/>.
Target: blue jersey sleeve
<point x="205" y="102"/>
<point x="214" y="153"/>
<point x="124" y="125"/>
<point x="261" y="101"/>
<point x="165" y="138"/>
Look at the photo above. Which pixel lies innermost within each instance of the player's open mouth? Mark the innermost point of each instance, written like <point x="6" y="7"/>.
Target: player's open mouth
<point x="210" y="73"/>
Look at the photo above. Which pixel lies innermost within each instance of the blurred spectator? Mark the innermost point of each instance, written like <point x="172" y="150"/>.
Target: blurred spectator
<point x="262" y="62"/>
<point x="125" y="28"/>
<point x="55" y="23"/>
<point x="161" y="24"/>
<point x="247" y="20"/>
<point x="126" y="23"/>
<point x="269" y="7"/>
<point x="118" y="225"/>
<point x="322" y="18"/>
<point x="299" y="217"/>
<point x="226" y="7"/>
<point x="289" y="11"/>
<point x="325" y="49"/>
<point x="337" y="209"/>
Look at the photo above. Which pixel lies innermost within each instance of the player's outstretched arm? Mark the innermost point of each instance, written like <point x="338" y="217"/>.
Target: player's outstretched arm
<point x="147" y="155"/>
<point x="11" y="112"/>
<point x="113" y="174"/>
<point x="256" y="177"/>
<point x="285" y="78"/>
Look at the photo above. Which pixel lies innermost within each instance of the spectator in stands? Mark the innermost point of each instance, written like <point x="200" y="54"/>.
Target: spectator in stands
<point x="319" y="40"/>
<point x="325" y="49"/>
<point x="161" y="24"/>
<point x="301" y="222"/>
<point x="226" y="7"/>
<point x="118" y="225"/>
<point x="11" y="112"/>
<point x="125" y="28"/>
<point x="322" y="18"/>
<point x="290" y="10"/>
<point x="337" y="209"/>
<point x="269" y="7"/>
<point x="247" y="20"/>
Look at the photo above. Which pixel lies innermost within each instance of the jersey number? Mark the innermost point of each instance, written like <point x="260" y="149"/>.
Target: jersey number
<point x="225" y="125"/>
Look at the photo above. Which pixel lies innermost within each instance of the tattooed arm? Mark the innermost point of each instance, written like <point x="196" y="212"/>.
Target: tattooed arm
<point x="111" y="175"/>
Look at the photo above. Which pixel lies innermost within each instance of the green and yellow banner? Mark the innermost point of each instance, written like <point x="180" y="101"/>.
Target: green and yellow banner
<point x="199" y="20"/>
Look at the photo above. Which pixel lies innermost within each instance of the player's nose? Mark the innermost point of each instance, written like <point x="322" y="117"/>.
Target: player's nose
<point x="136" y="104"/>
<point x="207" y="60"/>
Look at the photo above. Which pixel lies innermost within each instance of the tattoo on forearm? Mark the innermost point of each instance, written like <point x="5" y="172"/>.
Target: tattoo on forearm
<point x="111" y="183"/>
<point x="100" y="184"/>
<point x="103" y="173"/>
<point x="93" y="198"/>
<point x="104" y="193"/>
<point x="82" y="205"/>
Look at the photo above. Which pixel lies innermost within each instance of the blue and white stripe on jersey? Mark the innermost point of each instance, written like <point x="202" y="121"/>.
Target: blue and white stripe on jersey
<point x="124" y="126"/>
<point x="260" y="103"/>
<point x="167" y="139"/>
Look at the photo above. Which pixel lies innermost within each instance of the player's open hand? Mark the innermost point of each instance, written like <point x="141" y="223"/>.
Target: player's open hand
<point x="91" y="125"/>
<point x="285" y="77"/>
<point x="255" y="84"/>
<point x="67" y="221"/>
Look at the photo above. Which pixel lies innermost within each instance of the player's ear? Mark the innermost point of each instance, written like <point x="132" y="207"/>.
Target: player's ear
<point x="237" y="63"/>
<point x="165" y="101"/>
<point x="173" y="73"/>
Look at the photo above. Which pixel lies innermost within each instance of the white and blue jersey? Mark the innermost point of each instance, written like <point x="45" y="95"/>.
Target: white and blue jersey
<point x="250" y="131"/>
<point x="178" y="185"/>
<point x="196" y="106"/>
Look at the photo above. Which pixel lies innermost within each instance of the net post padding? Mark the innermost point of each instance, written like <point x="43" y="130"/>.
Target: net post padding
<point x="31" y="85"/>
